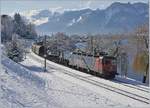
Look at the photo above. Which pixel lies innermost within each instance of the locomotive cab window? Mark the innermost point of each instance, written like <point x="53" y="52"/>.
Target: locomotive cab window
<point x="109" y="61"/>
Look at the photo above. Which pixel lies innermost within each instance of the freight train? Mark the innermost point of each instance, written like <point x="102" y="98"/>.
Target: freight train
<point x="99" y="64"/>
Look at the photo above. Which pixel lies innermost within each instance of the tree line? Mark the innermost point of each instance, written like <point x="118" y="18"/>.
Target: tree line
<point x="16" y="25"/>
<point x="14" y="32"/>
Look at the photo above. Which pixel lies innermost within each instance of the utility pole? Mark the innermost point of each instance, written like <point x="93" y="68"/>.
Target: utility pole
<point x="91" y="42"/>
<point x="45" y="53"/>
<point x="25" y="48"/>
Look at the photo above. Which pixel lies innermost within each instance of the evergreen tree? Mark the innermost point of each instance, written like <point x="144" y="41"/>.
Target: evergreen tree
<point x="19" y="25"/>
<point x="30" y="31"/>
<point x="6" y="28"/>
<point x="23" y="29"/>
<point x="14" y="50"/>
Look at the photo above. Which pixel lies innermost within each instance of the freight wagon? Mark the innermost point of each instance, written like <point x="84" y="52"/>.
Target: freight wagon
<point x="100" y="64"/>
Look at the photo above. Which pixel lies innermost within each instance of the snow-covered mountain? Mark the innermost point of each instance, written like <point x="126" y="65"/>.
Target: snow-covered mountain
<point x="117" y="18"/>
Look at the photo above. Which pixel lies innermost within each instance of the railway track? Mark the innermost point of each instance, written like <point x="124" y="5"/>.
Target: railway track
<point x="108" y="87"/>
<point x="102" y="85"/>
<point x="133" y="86"/>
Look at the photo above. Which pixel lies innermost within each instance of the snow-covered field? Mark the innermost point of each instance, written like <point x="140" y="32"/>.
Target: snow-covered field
<point x="25" y="85"/>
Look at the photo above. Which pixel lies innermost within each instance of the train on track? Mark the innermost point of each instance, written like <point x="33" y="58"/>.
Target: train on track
<point x="100" y="64"/>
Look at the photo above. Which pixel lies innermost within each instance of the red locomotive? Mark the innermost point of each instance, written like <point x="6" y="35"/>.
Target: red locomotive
<point x="102" y="65"/>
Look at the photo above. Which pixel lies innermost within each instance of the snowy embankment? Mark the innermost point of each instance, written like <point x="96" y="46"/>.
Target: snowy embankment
<point x="21" y="71"/>
<point x="22" y="88"/>
<point x="19" y="91"/>
<point x="27" y="86"/>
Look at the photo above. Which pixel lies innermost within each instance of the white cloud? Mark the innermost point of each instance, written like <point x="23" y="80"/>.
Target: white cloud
<point x="30" y="13"/>
<point x="57" y="9"/>
<point x="40" y="21"/>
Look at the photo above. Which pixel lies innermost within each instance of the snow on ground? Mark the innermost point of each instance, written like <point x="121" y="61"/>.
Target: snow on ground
<point x="21" y="88"/>
<point x="18" y="92"/>
<point x="27" y="86"/>
<point x="68" y="94"/>
<point x="55" y="72"/>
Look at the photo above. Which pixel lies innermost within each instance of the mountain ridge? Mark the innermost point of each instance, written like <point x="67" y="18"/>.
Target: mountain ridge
<point x="117" y="18"/>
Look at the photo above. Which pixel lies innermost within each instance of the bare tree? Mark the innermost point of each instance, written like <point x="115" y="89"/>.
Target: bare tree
<point x="141" y="62"/>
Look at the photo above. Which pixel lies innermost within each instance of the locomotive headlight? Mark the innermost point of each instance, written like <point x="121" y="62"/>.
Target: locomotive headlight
<point x="44" y="55"/>
<point x="101" y="57"/>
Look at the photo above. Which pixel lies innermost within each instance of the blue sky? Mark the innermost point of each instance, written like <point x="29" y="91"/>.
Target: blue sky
<point x="12" y="6"/>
